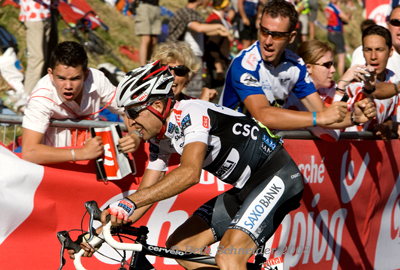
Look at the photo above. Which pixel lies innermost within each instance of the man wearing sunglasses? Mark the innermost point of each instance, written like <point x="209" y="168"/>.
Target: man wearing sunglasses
<point x="261" y="77"/>
<point x="236" y="149"/>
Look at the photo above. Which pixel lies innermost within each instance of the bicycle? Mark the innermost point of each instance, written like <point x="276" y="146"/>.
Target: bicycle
<point x="82" y="32"/>
<point x="139" y="246"/>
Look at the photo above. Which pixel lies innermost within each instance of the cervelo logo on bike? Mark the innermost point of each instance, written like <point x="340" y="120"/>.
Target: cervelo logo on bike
<point x="164" y="210"/>
<point x="245" y="130"/>
<point x="389" y="234"/>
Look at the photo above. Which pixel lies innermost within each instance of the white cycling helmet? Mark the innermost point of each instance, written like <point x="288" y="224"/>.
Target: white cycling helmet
<point x="146" y="83"/>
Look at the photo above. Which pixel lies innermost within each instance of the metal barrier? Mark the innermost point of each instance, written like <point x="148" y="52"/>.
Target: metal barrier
<point x="6" y="121"/>
<point x="16" y="120"/>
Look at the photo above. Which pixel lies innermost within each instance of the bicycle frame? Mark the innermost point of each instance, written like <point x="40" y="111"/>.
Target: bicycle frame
<point x="140" y="247"/>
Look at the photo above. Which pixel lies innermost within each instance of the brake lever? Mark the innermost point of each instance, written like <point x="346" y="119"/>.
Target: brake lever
<point x="66" y="243"/>
<point x="94" y="214"/>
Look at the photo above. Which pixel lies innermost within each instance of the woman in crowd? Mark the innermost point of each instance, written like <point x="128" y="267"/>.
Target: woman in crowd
<point x="318" y="57"/>
<point x="184" y="65"/>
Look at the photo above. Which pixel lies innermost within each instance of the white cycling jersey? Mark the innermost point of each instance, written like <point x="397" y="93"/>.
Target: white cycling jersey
<point x="236" y="145"/>
<point x="249" y="74"/>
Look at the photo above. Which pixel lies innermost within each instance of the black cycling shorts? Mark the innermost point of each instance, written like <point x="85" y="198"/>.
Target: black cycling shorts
<point x="259" y="207"/>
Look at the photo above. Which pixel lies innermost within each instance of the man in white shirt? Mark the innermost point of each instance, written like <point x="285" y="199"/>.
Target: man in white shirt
<point x="71" y="90"/>
<point x="394" y="28"/>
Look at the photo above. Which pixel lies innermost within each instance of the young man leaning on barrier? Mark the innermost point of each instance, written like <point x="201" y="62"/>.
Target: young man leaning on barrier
<point x="70" y="90"/>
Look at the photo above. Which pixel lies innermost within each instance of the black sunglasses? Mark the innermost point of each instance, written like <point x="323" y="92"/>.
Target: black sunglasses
<point x="394" y="22"/>
<point x="326" y="64"/>
<point x="133" y="113"/>
<point x="275" y="35"/>
<point x="180" y="70"/>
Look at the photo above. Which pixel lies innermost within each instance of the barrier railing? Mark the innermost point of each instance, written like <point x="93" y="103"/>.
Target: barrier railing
<point x="7" y="120"/>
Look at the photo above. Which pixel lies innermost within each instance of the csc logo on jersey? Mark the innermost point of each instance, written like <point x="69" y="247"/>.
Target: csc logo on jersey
<point x="245" y="130"/>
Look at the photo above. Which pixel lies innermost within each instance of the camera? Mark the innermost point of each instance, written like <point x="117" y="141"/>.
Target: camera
<point x="366" y="76"/>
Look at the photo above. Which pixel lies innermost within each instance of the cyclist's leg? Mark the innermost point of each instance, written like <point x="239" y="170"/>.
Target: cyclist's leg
<point x="207" y="225"/>
<point x="260" y="215"/>
<point x="192" y="236"/>
<point x="235" y="249"/>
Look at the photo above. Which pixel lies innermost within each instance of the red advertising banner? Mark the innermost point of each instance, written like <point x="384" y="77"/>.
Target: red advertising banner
<point x="377" y="10"/>
<point x="349" y="217"/>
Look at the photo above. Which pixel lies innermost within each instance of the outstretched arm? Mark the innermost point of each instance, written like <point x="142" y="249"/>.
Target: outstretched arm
<point x="34" y="151"/>
<point x="175" y="182"/>
<point x="284" y="119"/>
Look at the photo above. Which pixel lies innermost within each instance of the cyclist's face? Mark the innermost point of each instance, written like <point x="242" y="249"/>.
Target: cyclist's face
<point x="146" y="122"/>
<point x="68" y="81"/>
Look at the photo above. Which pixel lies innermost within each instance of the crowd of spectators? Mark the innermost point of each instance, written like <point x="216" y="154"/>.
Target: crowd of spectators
<point x="284" y="87"/>
<point x="280" y="86"/>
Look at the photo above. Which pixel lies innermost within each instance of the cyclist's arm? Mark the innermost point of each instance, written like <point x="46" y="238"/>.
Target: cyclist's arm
<point x="284" y="119"/>
<point x="175" y="182"/>
<point x="34" y="151"/>
<point x="150" y="177"/>
<point x="178" y="180"/>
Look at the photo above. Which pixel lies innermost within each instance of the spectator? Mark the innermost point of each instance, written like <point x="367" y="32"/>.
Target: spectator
<point x="336" y="17"/>
<point x="217" y="48"/>
<point x="69" y="91"/>
<point x="179" y="54"/>
<point x="377" y="48"/>
<point x="318" y="57"/>
<point x="358" y="56"/>
<point x="184" y="66"/>
<point x="204" y="6"/>
<point x="394" y="28"/>
<point x="249" y="14"/>
<point x="304" y="10"/>
<point x="314" y="6"/>
<point x="261" y="77"/>
<point x="148" y="27"/>
<point x="188" y="25"/>
<point x="40" y="19"/>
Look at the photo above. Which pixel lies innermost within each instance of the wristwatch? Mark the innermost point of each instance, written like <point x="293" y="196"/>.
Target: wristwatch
<point x="353" y="120"/>
<point x="396" y="87"/>
<point x="369" y="92"/>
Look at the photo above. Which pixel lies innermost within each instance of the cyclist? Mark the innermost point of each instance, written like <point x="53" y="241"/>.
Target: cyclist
<point x="235" y="148"/>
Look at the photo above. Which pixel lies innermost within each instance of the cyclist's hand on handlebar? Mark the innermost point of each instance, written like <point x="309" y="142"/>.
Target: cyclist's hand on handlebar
<point x="120" y="212"/>
<point x="85" y="246"/>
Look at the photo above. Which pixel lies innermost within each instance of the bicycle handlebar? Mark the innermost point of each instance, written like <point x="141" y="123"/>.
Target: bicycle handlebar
<point x="105" y="236"/>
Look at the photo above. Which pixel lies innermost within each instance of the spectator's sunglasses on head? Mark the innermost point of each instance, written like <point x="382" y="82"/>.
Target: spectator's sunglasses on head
<point x="394" y="22"/>
<point x="326" y="64"/>
<point x="274" y="34"/>
<point x="133" y="113"/>
<point x="180" y="70"/>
